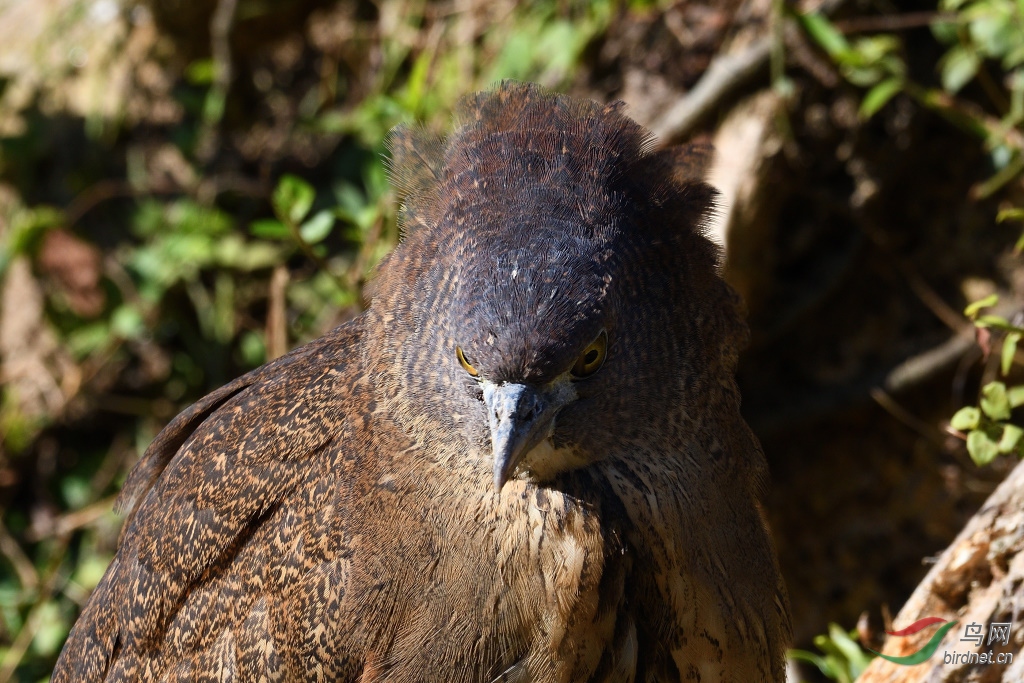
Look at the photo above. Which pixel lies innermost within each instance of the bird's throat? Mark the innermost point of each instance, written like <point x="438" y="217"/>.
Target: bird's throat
<point x="545" y="461"/>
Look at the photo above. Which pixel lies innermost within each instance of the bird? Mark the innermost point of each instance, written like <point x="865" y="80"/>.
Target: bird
<point x="524" y="461"/>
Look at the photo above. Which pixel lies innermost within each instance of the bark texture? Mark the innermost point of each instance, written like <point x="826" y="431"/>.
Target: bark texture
<point x="977" y="580"/>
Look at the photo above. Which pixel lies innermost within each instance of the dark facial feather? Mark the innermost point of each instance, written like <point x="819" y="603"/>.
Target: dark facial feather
<point x="537" y="222"/>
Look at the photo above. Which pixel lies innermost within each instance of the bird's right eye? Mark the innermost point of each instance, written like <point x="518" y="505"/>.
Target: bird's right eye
<point x="592" y="358"/>
<point x="466" y="365"/>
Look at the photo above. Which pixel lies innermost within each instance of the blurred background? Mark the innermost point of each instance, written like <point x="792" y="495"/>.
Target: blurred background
<point x="189" y="188"/>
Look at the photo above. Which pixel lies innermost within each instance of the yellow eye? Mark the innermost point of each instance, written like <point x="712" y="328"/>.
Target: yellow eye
<point x="466" y="365"/>
<point x="592" y="358"/>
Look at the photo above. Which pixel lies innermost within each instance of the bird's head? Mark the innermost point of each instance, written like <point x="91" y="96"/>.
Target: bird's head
<point x="553" y="301"/>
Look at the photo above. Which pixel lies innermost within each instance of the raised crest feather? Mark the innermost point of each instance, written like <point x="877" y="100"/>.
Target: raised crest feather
<point x="519" y="135"/>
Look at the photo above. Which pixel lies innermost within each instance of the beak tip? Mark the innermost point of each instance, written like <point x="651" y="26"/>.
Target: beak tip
<point x="500" y="478"/>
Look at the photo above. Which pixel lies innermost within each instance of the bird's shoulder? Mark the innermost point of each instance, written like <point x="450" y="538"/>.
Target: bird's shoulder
<point x="236" y="479"/>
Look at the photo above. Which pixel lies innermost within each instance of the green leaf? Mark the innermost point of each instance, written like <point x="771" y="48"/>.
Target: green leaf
<point x="90" y="570"/>
<point x="1010" y="438"/>
<point x="270" y="228"/>
<point x="966" y="419"/>
<point x="824" y="666"/>
<point x="75" y="491"/>
<point x="51" y="629"/>
<point x="873" y="50"/>
<point x="958" y="67"/>
<point x="189" y="217"/>
<point x="87" y="339"/>
<point x="1007" y="174"/>
<point x="982" y="449"/>
<point x="234" y="252"/>
<point x="1015" y="395"/>
<point x="878" y="96"/>
<point x="1009" y="351"/>
<point x="127" y="323"/>
<point x="1014" y="58"/>
<point x="857" y="658"/>
<point x="992" y="28"/>
<point x="975" y="307"/>
<point x="213" y="106"/>
<point x="944" y="31"/>
<point x="200" y="72"/>
<point x="293" y="199"/>
<point x="998" y="322"/>
<point x="824" y="34"/>
<point x="27" y="226"/>
<point x="317" y="228"/>
<point x="994" y="401"/>
<point x="253" y="349"/>
<point x="1014" y="214"/>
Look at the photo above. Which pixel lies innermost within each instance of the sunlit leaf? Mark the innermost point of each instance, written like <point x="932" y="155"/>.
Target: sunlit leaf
<point x="90" y="570"/>
<point x="997" y="322"/>
<point x="975" y="306"/>
<point x="965" y="419"/>
<point x="200" y="72"/>
<point x="857" y="658"/>
<point x="1009" y="351"/>
<point x="253" y="349"/>
<point x="958" y="67"/>
<point x="992" y="28"/>
<point x="85" y="340"/>
<point x="824" y="666"/>
<point x="944" y="31"/>
<point x="1014" y="214"/>
<point x="51" y="629"/>
<point x="269" y="228"/>
<point x="127" y="323"/>
<point x="293" y="198"/>
<point x="994" y="401"/>
<point x="878" y="96"/>
<point x="75" y="490"/>
<point x="317" y="228"/>
<point x="824" y="34"/>
<point x="981" y="448"/>
<point x="1010" y="438"/>
<point x="188" y="216"/>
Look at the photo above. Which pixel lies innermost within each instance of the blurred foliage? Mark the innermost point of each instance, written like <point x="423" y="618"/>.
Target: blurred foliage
<point x="194" y="233"/>
<point x="985" y="44"/>
<point x="982" y="36"/>
<point x="839" y="657"/>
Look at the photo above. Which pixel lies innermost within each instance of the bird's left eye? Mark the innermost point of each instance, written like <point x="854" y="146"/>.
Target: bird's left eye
<point x="592" y="358"/>
<point x="466" y="365"/>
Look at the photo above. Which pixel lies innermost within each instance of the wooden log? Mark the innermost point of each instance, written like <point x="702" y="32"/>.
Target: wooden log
<point x="979" y="582"/>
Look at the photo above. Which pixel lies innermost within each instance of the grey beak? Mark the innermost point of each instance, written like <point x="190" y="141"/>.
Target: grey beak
<point x="520" y="417"/>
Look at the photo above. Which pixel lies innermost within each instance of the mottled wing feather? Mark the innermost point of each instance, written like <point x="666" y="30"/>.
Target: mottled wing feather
<point x="170" y="439"/>
<point x="165" y="446"/>
<point x="217" y="540"/>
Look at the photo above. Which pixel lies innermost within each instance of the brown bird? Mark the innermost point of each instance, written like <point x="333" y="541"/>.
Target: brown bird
<point x="524" y="462"/>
